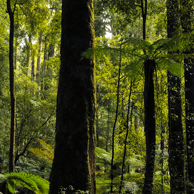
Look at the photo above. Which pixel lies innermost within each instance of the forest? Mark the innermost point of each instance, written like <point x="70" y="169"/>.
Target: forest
<point x="96" y="96"/>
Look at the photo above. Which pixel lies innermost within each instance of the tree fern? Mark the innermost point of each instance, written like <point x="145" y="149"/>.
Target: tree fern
<point x="167" y="52"/>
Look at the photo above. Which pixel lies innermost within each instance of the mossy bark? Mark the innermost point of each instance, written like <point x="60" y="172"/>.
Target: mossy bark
<point x="176" y="146"/>
<point x="74" y="157"/>
<point x="186" y="21"/>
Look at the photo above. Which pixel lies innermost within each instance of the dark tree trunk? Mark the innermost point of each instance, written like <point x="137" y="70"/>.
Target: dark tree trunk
<point x="126" y="136"/>
<point x="74" y="155"/>
<point x="12" y="90"/>
<point x="149" y="105"/>
<point x="32" y="68"/>
<point x="176" y="147"/>
<point x="51" y="50"/>
<point x="186" y="9"/>
<point x="114" y="126"/>
<point x="162" y="156"/>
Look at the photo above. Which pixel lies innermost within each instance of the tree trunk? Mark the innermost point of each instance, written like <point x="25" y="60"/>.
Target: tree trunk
<point x="114" y="126"/>
<point x="186" y="9"/>
<point x="12" y="90"/>
<point x="150" y="130"/>
<point x="149" y="110"/>
<point x="74" y="156"/>
<point x="126" y="136"/>
<point x="32" y="68"/>
<point x="176" y="147"/>
<point x="162" y="156"/>
<point x="39" y="59"/>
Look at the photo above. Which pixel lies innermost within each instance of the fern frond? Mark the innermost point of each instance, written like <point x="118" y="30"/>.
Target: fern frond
<point x="46" y="146"/>
<point x="171" y="65"/>
<point x="102" y="156"/>
<point x="11" y="186"/>
<point x="44" y="154"/>
<point x="2" y="178"/>
<point x="134" y="68"/>
<point x="29" y="181"/>
<point x="20" y="179"/>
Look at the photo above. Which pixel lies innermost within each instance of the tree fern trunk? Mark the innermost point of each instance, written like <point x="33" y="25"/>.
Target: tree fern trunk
<point x="74" y="154"/>
<point x="149" y="105"/>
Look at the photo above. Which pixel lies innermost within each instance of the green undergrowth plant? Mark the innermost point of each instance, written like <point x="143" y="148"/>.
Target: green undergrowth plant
<point x="71" y="190"/>
<point x="13" y="181"/>
<point x="46" y="151"/>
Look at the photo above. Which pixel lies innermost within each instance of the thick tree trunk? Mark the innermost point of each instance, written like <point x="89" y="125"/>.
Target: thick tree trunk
<point x="150" y="130"/>
<point x="74" y="155"/>
<point x="186" y="10"/>
<point x="176" y="147"/>
<point x="12" y="90"/>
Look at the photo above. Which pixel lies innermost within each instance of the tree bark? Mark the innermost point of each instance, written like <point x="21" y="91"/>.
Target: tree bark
<point x="12" y="90"/>
<point x="176" y="147"/>
<point x="149" y="111"/>
<point x="39" y="59"/>
<point x="186" y="9"/>
<point x="114" y="126"/>
<point x="150" y="130"/>
<point x="74" y="156"/>
<point x="32" y="68"/>
<point x="126" y="136"/>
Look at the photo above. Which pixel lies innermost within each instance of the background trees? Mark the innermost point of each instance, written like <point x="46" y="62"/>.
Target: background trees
<point x="36" y="61"/>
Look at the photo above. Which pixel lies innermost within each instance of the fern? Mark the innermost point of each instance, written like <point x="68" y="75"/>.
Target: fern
<point x="167" y="52"/>
<point x="46" y="152"/>
<point x="102" y="156"/>
<point x="29" y="181"/>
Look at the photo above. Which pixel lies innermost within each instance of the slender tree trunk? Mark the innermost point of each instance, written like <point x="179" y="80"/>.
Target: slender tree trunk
<point x="12" y="90"/>
<point x="32" y="68"/>
<point x="74" y="154"/>
<point x="176" y="147"/>
<point x="186" y="10"/>
<point x="162" y="156"/>
<point x="126" y="136"/>
<point x="114" y="126"/>
<point x="43" y="70"/>
<point x="51" y="50"/>
<point x="39" y="59"/>
<point x="150" y="130"/>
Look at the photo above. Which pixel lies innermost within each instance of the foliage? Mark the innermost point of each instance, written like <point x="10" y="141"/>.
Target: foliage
<point x="29" y="181"/>
<point x="46" y="153"/>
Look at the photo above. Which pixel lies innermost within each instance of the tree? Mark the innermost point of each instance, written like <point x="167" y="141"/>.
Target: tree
<point x="176" y="149"/>
<point x="149" y="108"/>
<point x="74" y="153"/>
<point x="186" y="9"/>
<point x="12" y="88"/>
